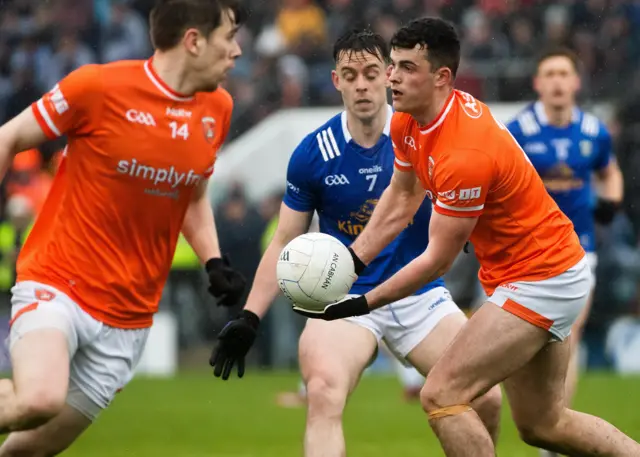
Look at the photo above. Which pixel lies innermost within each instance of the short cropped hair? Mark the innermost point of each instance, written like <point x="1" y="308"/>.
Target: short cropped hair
<point x="169" y="19"/>
<point x="559" y="51"/>
<point x="364" y="41"/>
<point x="437" y="36"/>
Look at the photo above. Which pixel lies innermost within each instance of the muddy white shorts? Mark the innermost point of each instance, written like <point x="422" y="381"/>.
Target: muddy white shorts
<point x="405" y="323"/>
<point x="103" y="358"/>
<point x="552" y="304"/>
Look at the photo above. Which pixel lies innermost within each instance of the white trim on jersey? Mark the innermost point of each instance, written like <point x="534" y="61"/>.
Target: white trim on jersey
<point x="47" y="118"/>
<point x="441" y="120"/>
<point x="327" y="144"/>
<point x="538" y="108"/>
<point x="387" y="125"/>
<point x="162" y="89"/>
<point x="403" y="164"/>
<point x="528" y="123"/>
<point x="345" y="127"/>
<point x="463" y="209"/>
<point x="590" y="125"/>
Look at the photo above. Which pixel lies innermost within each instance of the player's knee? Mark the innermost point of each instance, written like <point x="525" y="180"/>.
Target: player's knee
<point x="436" y="394"/>
<point x="538" y="432"/>
<point x="325" y="396"/>
<point x="39" y="406"/>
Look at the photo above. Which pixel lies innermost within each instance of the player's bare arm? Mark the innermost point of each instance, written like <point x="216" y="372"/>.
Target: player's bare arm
<point x="291" y="224"/>
<point x="609" y="182"/>
<point x="19" y="134"/>
<point x="199" y="228"/>
<point x="398" y="204"/>
<point x="610" y="189"/>
<point x="447" y="237"/>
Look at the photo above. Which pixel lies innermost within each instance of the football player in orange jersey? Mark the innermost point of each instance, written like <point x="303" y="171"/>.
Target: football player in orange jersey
<point x="450" y="148"/>
<point x="142" y="138"/>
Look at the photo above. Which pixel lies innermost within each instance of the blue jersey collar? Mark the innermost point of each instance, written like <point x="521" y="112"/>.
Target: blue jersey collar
<point x="538" y="109"/>
<point x="345" y="129"/>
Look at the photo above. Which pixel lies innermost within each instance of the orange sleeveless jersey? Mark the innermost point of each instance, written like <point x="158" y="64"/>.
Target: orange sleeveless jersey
<point x="471" y="166"/>
<point x="136" y="152"/>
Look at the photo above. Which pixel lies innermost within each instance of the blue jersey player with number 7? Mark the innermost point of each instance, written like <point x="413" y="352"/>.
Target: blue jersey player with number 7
<point x="340" y="171"/>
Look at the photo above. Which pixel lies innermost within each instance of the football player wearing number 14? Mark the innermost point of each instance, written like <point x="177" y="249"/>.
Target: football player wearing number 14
<point x="533" y="268"/>
<point x="142" y="141"/>
<point x="340" y="171"/>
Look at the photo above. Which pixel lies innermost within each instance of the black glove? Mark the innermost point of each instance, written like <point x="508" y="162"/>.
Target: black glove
<point x="605" y="211"/>
<point x="234" y="342"/>
<point x="358" y="264"/>
<point x="356" y="306"/>
<point x="225" y="283"/>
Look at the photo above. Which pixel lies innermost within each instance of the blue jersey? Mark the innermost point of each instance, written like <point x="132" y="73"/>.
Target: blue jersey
<point x="342" y="181"/>
<point x="565" y="158"/>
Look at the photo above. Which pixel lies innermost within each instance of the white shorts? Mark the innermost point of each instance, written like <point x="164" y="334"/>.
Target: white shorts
<point x="103" y="358"/>
<point x="405" y="323"/>
<point x="552" y="304"/>
<point x="592" y="260"/>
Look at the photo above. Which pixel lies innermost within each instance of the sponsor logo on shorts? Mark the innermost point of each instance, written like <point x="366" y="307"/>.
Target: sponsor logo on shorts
<point x="437" y="303"/>
<point x="44" y="295"/>
<point x="509" y="286"/>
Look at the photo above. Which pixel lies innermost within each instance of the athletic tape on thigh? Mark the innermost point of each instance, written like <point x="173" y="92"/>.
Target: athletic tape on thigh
<point x="449" y="411"/>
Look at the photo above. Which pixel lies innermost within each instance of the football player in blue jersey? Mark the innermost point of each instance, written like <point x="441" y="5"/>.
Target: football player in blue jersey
<point x="567" y="146"/>
<point x="340" y="171"/>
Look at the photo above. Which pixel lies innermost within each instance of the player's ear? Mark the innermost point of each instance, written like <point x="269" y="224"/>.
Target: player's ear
<point x="335" y="79"/>
<point x="536" y="84"/>
<point x="444" y="77"/>
<point x="192" y="41"/>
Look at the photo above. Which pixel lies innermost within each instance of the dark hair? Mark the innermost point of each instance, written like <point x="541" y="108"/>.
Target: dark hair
<point x="169" y="19"/>
<point x="559" y="51"/>
<point x="361" y="41"/>
<point x="437" y="36"/>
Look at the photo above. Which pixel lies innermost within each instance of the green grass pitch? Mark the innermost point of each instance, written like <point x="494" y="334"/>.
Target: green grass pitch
<point x="196" y="415"/>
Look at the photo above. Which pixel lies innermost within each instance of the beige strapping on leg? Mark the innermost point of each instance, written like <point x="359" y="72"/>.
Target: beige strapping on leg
<point x="453" y="410"/>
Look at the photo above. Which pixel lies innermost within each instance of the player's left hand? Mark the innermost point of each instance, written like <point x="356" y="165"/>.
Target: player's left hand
<point x="225" y="283"/>
<point x="605" y="211"/>
<point x="350" y="307"/>
<point x="234" y="342"/>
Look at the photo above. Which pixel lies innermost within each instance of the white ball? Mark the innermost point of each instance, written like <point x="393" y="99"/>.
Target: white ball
<point x="314" y="270"/>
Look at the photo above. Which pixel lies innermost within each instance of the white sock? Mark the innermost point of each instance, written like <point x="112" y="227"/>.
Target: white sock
<point x="409" y="376"/>
<point x="545" y="453"/>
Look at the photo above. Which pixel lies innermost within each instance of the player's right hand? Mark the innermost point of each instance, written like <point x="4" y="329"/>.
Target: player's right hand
<point x="234" y="342"/>
<point x="225" y="283"/>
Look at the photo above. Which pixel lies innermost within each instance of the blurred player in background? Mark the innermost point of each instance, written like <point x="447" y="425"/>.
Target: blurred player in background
<point x="566" y="146"/>
<point x="142" y="141"/>
<point x="340" y="170"/>
<point x="533" y="269"/>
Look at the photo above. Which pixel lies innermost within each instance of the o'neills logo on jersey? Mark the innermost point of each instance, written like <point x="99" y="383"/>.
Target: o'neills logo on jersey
<point x="158" y="176"/>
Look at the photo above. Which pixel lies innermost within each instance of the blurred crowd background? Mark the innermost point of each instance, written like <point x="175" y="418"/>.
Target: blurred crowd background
<point x="286" y="63"/>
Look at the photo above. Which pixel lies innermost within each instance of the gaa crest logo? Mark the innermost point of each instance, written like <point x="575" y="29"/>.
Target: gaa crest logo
<point x="208" y="127"/>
